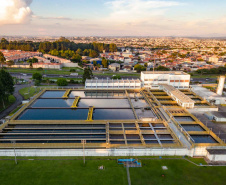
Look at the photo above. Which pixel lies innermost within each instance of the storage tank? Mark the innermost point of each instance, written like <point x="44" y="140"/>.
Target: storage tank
<point x="220" y="85"/>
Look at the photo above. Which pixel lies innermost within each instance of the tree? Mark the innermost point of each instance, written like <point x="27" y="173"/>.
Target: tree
<point x="10" y="63"/>
<point x="112" y="47"/>
<point x="86" y="52"/>
<point x="162" y="68"/>
<point x="115" y="77"/>
<point x="2" y="59"/>
<point x="104" y="62"/>
<point x="79" y="51"/>
<point x="93" y="53"/>
<point x="139" y="68"/>
<point x="76" y="58"/>
<point x="87" y="74"/>
<point x="37" y="76"/>
<point x="62" y="82"/>
<point x="34" y="60"/>
<point x="6" y="85"/>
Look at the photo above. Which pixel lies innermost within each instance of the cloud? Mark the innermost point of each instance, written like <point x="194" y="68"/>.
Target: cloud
<point x="15" y="11"/>
<point x="52" y="18"/>
<point x="137" y="10"/>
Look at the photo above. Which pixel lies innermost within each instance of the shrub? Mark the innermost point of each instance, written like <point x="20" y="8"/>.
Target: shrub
<point x="62" y="82"/>
<point x="72" y="81"/>
<point x="37" y="76"/>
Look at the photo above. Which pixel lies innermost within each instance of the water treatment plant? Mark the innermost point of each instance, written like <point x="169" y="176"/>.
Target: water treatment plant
<point x="113" y="122"/>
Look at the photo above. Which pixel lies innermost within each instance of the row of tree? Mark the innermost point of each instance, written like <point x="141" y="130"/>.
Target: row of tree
<point x="219" y="70"/>
<point x="61" y="44"/>
<point x="140" y="68"/>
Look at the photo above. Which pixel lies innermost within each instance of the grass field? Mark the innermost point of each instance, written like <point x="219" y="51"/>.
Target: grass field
<point x="74" y="172"/>
<point x="62" y="172"/>
<point x="28" y="92"/>
<point x="65" y="71"/>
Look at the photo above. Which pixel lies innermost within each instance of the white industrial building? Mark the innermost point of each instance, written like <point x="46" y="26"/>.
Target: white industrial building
<point x="216" y="116"/>
<point x="208" y="95"/>
<point x="177" y="79"/>
<point x="112" y="84"/>
<point x="182" y="99"/>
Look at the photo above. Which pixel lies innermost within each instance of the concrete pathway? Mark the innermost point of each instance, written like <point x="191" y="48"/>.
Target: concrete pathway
<point x="128" y="175"/>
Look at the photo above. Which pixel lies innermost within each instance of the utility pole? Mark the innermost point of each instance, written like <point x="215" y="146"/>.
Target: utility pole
<point x="83" y="141"/>
<point x="14" y="143"/>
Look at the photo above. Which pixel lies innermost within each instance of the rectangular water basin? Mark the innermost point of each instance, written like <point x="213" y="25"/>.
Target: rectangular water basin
<point x="151" y="141"/>
<point x="53" y="103"/>
<point x="112" y="103"/>
<point x="203" y="139"/>
<point x="116" y="136"/>
<point x="183" y="118"/>
<point x="97" y="94"/>
<point x="139" y="103"/>
<point x="117" y="142"/>
<point x="192" y="127"/>
<point x="113" y="114"/>
<point x="91" y="131"/>
<point x="53" y="94"/>
<point x="149" y="136"/>
<point x="132" y="136"/>
<point x="54" y="114"/>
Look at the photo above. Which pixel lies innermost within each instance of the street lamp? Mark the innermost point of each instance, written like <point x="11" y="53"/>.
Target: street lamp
<point x="14" y="143"/>
<point x="83" y="141"/>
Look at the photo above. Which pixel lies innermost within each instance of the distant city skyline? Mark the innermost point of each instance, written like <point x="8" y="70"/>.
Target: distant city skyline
<point x="183" y="18"/>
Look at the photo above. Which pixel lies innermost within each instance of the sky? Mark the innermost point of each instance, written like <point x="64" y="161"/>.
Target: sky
<point x="204" y="18"/>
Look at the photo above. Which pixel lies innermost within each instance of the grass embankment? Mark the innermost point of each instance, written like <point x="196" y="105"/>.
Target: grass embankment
<point x="28" y="92"/>
<point x="15" y="110"/>
<point x="59" y="170"/>
<point x="10" y="101"/>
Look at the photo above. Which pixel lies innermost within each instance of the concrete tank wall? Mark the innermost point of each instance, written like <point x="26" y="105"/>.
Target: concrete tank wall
<point x="106" y="152"/>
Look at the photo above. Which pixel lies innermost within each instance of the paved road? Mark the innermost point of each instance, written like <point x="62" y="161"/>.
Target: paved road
<point x="204" y="80"/>
<point x="18" y="101"/>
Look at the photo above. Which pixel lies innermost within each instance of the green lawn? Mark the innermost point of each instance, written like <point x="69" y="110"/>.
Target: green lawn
<point x="65" y="172"/>
<point x="180" y="172"/>
<point x="28" y="92"/>
<point x="11" y="100"/>
<point x="74" y="172"/>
